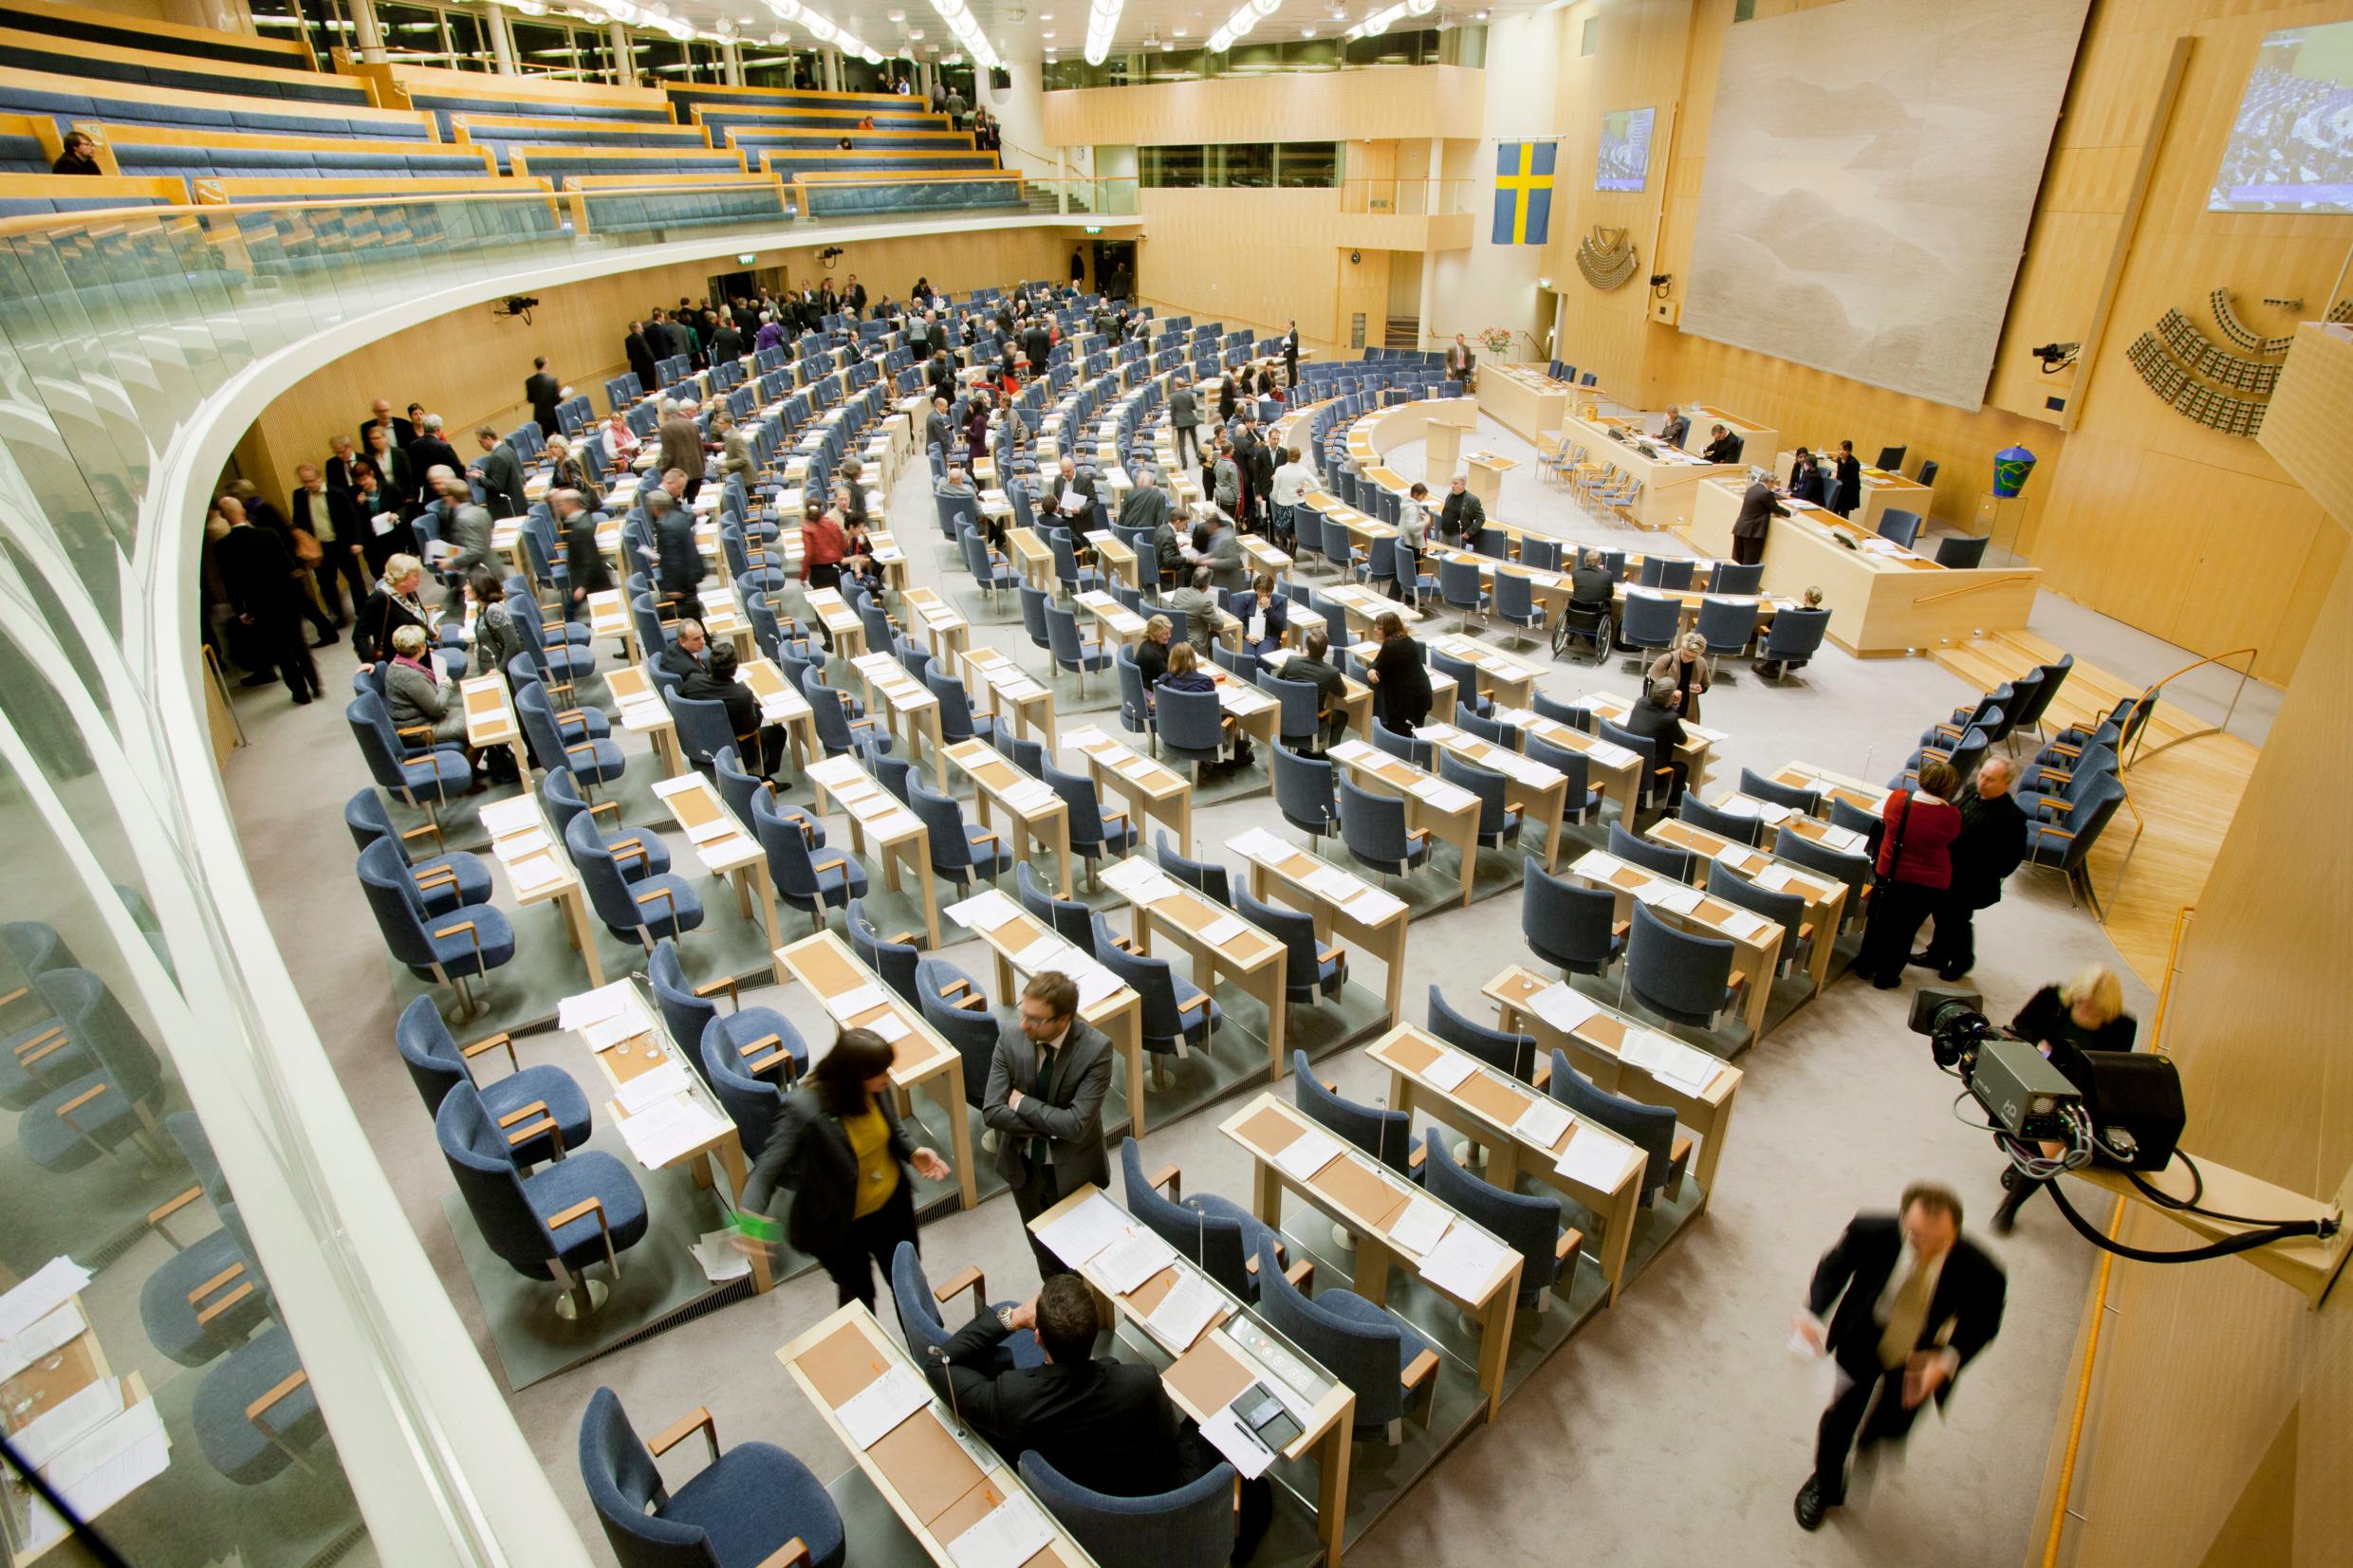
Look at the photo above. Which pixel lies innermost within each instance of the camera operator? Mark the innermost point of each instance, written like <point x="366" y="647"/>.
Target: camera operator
<point x="2085" y="1014"/>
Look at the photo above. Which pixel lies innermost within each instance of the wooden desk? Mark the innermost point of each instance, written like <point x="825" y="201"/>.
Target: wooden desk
<point x="1860" y="793"/>
<point x="1511" y="681"/>
<point x="1536" y="791"/>
<point x="1433" y="807"/>
<point x="725" y="847"/>
<point x="608" y="617"/>
<point x="1596" y="1045"/>
<point x="1236" y="1350"/>
<point x="1492" y="1109"/>
<point x="1882" y="600"/>
<point x="644" y="1045"/>
<point x="780" y="704"/>
<point x="1114" y="622"/>
<point x="877" y="814"/>
<point x="1756" y="942"/>
<point x="1113" y="556"/>
<point x="1034" y="559"/>
<point x="858" y="999"/>
<point x="1372" y="920"/>
<point x="490" y="718"/>
<point x="1016" y="940"/>
<point x="1522" y="399"/>
<point x="943" y="626"/>
<point x="1356" y="700"/>
<point x="939" y="1486"/>
<point x="1882" y="488"/>
<point x="1154" y="792"/>
<point x="539" y="868"/>
<point x="1039" y="815"/>
<point x="1611" y="768"/>
<point x="72" y="1371"/>
<point x="1825" y="899"/>
<point x="910" y="708"/>
<point x="1264" y="557"/>
<point x="1248" y="957"/>
<point x="1485" y="471"/>
<point x="998" y="686"/>
<point x="834" y="613"/>
<point x="1780" y="822"/>
<point x="1756" y="439"/>
<point x="1669" y="480"/>
<point x="1363" y="607"/>
<point x="1358" y="1192"/>
<point x="638" y="705"/>
<point x="1254" y="711"/>
<point x="1695" y="753"/>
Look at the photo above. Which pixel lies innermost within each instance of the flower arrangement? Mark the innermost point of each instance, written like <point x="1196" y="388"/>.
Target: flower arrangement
<point x="1497" y="339"/>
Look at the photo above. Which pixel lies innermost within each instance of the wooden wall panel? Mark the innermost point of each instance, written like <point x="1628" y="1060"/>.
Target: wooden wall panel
<point x="1262" y="258"/>
<point x="1416" y="101"/>
<point x="469" y="366"/>
<point x="2203" y="1365"/>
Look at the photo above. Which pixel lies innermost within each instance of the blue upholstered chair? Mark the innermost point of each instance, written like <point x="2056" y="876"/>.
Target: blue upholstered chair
<point x="1189" y="1527"/>
<point x="553" y="1224"/>
<point x="1220" y="1236"/>
<point x="1675" y="974"/>
<point x="1567" y="923"/>
<point x="746" y="1508"/>
<point x="958" y="1010"/>
<point x="1067" y="918"/>
<point x="925" y="1330"/>
<point x="427" y="779"/>
<point x="1302" y="793"/>
<point x="1650" y="1128"/>
<point x="1191" y="725"/>
<point x="256" y="1411"/>
<point x="519" y="1103"/>
<point x="892" y="956"/>
<point x="1531" y="1223"/>
<point x="206" y="1299"/>
<point x="1094" y="832"/>
<point x="1207" y="878"/>
<point x="453" y="947"/>
<point x="960" y="852"/>
<point x="650" y="907"/>
<point x="1384" y="1360"/>
<point x="444" y="882"/>
<point x="1512" y="1053"/>
<point x="1373" y="827"/>
<point x="1386" y="1134"/>
<point x="807" y="881"/>
<point x="1178" y="1016"/>
<point x="1310" y="969"/>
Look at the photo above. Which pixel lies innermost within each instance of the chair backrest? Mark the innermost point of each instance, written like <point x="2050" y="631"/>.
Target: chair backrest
<point x="1485" y="783"/>
<point x="703" y="726"/>
<point x="686" y="1014"/>
<point x="1900" y="524"/>
<point x="918" y="1312"/>
<point x="1665" y="860"/>
<point x="1756" y="787"/>
<point x="1649" y="1127"/>
<point x="1531" y="1222"/>
<point x="1674" y="972"/>
<point x="390" y="890"/>
<point x="956" y="708"/>
<point x="893" y="961"/>
<point x="1189" y="723"/>
<point x="1458" y="583"/>
<point x="1361" y="1354"/>
<point x="1189" y="1527"/>
<point x="1733" y="577"/>
<point x="1303" y="791"/>
<point x="1796" y="634"/>
<point x="1034" y="615"/>
<point x="476" y="1150"/>
<point x="428" y="1050"/>
<point x="1650" y="621"/>
<point x="1372" y="826"/>
<point x="1078" y="793"/>
<point x="1207" y="877"/>
<point x="1133" y="716"/>
<point x="1787" y="910"/>
<point x="1298" y="716"/>
<point x="1514" y="1054"/>
<point x="1214" y="1242"/>
<point x="973" y="1033"/>
<point x="951" y="849"/>
<point x="1728" y="625"/>
<point x="1579" y="719"/>
<point x="629" y="1496"/>
<point x="1406" y="747"/>
<point x="1066" y="918"/>
<point x="1295" y="930"/>
<point x="750" y="1101"/>
<point x="1740" y="830"/>
<point x="1149" y="978"/>
<point x="1515" y="596"/>
<point x="1660" y="571"/>
<point x="600" y="877"/>
<point x="1961" y="550"/>
<point x="1891" y="458"/>
<point x="1386" y="1134"/>
<point x="1566" y="922"/>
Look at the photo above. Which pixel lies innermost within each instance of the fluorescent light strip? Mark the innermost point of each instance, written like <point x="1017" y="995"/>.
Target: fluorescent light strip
<point x="1103" y="22"/>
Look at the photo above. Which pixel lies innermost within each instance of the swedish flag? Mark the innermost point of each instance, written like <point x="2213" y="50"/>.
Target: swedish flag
<point x="1523" y="192"/>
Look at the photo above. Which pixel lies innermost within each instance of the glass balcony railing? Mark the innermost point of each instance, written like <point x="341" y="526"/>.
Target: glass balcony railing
<point x="224" y="1343"/>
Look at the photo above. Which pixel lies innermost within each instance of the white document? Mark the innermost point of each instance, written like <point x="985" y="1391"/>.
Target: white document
<point x="530" y="842"/>
<point x="1256" y="630"/>
<point x="1447" y="798"/>
<point x="1237" y="1443"/>
<point x="1609" y="754"/>
<point x="100" y="1469"/>
<point x="858" y="999"/>
<point x="1684" y="1068"/>
<point x="502" y="817"/>
<point x="1224" y="930"/>
<point x="1094" y="982"/>
<point x="579" y="1011"/>
<point x="623" y="1026"/>
<point x="1007" y="1536"/>
<point x="1420" y="1227"/>
<point x="667" y="788"/>
<point x="1450" y="1069"/>
<point x="872" y="1412"/>
<point x="1738" y="805"/>
<point x="1747" y="925"/>
<point x="1022" y="690"/>
<point x="892" y="823"/>
<point x="1191" y="1305"/>
<point x="715" y="1254"/>
<point x="650" y="1089"/>
<point x="1259" y="844"/>
<point x="1334" y="883"/>
<point x="666" y="1130"/>
<point x="1543" y="1122"/>
<point x="1775" y="878"/>
<point x="1595" y="1160"/>
<point x="890" y="1028"/>
<point x="852" y="791"/>
<point x="1310" y="1151"/>
<point x="983" y="911"/>
<point x="1462" y="1262"/>
<point x="1844" y="839"/>
<point x="58" y="1427"/>
<point x="1082" y="739"/>
<point x="710" y="828"/>
<point x="835" y="771"/>
<point x="1085" y="1230"/>
<point x="1562" y="1006"/>
<point x="1132" y="1258"/>
<point x="44" y="1335"/>
<point x="1044" y="952"/>
<point x="1348" y="751"/>
<point x="53" y="1284"/>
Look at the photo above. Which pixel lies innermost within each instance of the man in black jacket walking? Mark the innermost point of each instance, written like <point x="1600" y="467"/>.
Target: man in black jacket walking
<point x="1992" y="841"/>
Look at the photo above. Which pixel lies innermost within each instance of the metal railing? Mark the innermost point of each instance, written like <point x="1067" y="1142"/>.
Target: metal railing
<point x="2140" y="749"/>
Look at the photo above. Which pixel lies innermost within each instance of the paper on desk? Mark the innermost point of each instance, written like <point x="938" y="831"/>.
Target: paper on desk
<point x="890" y="1028"/>
<point x="605" y="1033"/>
<point x="1450" y="1069"/>
<point x="1132" y="1258"/>
<point x="1007" y="1536"/>
<point x="1022" y="690"/>
<point x="892" y="823"/>
<point x="667" y="788"/>
<point x="869" y="1415"/>
<point x="54" y="1283"/>
<point x="1224" y="930"/>
<point x="1420" y="1226"/>
<point x="502" y="817"/>
<point x="983" y="911"/>
<point x="1462" y="1262"/>
<point x="835" y="771"/>
<point x="1259" y="844"/>
<point x="858" y="999"/>
<point x="1191" y="1305"/>
<point x="1085" y="1230"/>
<point x="1542" y="1122"/>
<point x="1043" y="952"/>
<point x="1563" y="1007"/>
<point x="648" y="1089"/>
<point x="1844" y="839"/>
<point x="1237" y="1443"/>
<point x="710" y="828"/>
<point x="1371" y="906"/>
<point x="1307" y="1153"/>
<point x="1594" y="1160"/>
<point x="102" y="1467"/>
<point x="1676" y="897"/>
<point x="720" y="1259"/>
<point x="668" y="1129"/>
<point x="43" y="1335"/>
<point x="1771" y="811"/>
<point x="1081" y="739"/>
<point x="1348" y="751"/>
<point x="1738" y="805"/>
<point x="1094" y="982"/>
<point x="586" y="1008"/>
<point x="58" y="1427"/>
<point x="1746" y="924"/>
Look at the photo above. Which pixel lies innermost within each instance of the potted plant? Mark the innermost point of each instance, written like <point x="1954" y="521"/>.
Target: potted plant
<point x="1497" y="341"/>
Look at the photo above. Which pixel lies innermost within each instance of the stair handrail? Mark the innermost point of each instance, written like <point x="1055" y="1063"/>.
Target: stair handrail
<point x="1975" y="587"/>
<point x="2140" y="751"/>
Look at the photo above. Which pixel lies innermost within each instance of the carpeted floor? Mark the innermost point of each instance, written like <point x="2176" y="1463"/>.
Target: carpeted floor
<point x="1674" y="1429"/>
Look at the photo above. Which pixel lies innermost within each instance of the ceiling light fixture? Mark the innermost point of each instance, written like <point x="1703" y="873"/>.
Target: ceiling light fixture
<point x="1245" y="16"/>
<point x="1103" y="22"/>
<point x="967" y="31"/>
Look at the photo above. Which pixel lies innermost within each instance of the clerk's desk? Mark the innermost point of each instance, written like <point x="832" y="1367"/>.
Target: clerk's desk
<point x="1879" y="604"/>
<point x="1882" y="488"/>
<point x="1756" y="440"/>
<point x="1670" y="480"/>
<point x="1525" y="400"/>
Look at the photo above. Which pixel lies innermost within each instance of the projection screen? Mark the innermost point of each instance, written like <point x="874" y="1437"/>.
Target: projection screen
<point x="1871" y="171"/>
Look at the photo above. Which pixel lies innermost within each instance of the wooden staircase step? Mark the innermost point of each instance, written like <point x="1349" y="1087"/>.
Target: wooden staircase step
<point x="2090" y="693"/>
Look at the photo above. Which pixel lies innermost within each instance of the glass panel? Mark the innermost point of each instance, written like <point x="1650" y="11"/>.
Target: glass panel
<point x="543" y="49"/>
<point x="1169" y="167"/>
<point x="766" y="70"/>
<point x="1249" y="163"/>
<point x="411" y="34"/>
<point x="662" y="59"/>
<point x="469" y="46"/>
<point x="1307" y="164"/>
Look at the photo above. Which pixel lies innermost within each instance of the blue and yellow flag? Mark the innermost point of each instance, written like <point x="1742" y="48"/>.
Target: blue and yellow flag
<point x="1523" y="192"/>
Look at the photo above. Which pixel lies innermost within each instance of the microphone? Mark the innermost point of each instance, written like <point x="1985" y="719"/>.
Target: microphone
<point x="948" y="1376"/>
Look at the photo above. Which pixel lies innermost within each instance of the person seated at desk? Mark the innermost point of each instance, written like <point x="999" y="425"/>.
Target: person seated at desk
<point x="1152" y="655"/>
<point x="1464" y="515"/>
<point x="860" y="567"/>
<point x="1266" y="616"/>
<point x="760" y="747"/>
<point x="1675" y="428"/>
<point x="1200" y="607"/>
<point x="1592" y="589"/>
<point x="1723" y="446"/>
<point x="1105" y="1424"/>
<point x="1805" y="479"/>
<point x="1184" y="673"/>
<point x="1654" y="719"/>
<point x="687" y="655"/>
<point x="1771" y="669"/>
<point x="1331" y="686"/>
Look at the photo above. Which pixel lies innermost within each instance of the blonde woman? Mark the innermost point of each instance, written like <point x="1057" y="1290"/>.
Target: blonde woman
<point x="2085" y="1014"/>
<point x="1688" y="666"/>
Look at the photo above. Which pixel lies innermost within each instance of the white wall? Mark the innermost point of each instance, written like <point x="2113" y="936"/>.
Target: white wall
<point x="1495" y="284"/>
<point x="1020" y="111"/>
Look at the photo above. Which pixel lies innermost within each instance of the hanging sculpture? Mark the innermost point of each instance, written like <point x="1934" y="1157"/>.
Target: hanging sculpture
<point x="1605" y="257"/>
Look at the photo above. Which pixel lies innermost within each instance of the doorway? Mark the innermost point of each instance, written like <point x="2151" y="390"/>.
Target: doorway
<point x="1547" y="320"/>
<point x="1114" y="262"/>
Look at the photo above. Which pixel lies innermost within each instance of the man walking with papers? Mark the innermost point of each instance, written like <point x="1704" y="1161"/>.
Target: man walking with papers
<point x="1046" y="1084"/>
<point x="1105" y="1424"/>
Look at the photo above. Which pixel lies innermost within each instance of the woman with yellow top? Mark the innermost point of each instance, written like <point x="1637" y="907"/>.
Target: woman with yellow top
<point x="837" y="1146"/>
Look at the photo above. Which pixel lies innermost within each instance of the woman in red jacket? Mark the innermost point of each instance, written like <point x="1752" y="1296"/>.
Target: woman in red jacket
<point x="823" y="544"/>
<point x="1915" y="867"/>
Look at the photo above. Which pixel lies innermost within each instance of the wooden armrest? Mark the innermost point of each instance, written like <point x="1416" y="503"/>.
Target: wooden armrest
<point x="579" y="1211"/>
<point x="866" y="722"/>
<point x="1418" y="1371"/>
<point x="697" y="1419"/>
<point x="1564" y="1250"/>
<point x="156" y="1215"/>
<point x="2066" y="749"/>
<point x="20" y="993"/>
<point x="424" y="730"/>
<point x="662" y="894"/>
<point x="960" y="983"/>
<point x="1738" y="979"/>
<point x="1681" y="1149"/>
<point x="1414" y="1160"/>
<point x="286" y="1385"/>
<point x="792" y="1554"/>
<point x="215" y="1283"/>
<point x="434" y="828"/>
<point x="1805" y="929"/>
<point x="901" y="940"/>
<point x="492" y="1042"/>
<point x="28" y="1058"/>
<point x="1196" y="1005"/>
<point x="52" y="1032"/>
<point x="764" y="1043"/>
<point x="2063" y="775"/>
<point x="725" y="983"/>
<point x="435" y="876"/>
<point x="1167" y="1176"/>
<point x="1953" y="731"/>
<point x="986" y="836"/>
<point x="632" y="847"/>
<point x="1326" y="955"/>
<point x="829" y="863"/>
<point x="613" y="807"/>
<point x="965" y="1279"/>
<point x="2054" y="831"/>
<point x="65" y="1112"/>
<point x="1301" y="1272"/>
<point x="522" y="1135"/>
<point x="536" y="1108"/>
<point x="205" y="1317"/>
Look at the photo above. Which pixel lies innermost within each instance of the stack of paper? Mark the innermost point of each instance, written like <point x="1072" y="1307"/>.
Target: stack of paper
<point x="1595" y="1160"/>
<point x="1745" y="925"/>
<point x="664" y="788"/>
<point x="1088" y="1228"/>
<point x="39" y="1339"/>
<point x="1371" y="906"/>
<point x="1542" y="1122"/>
<point x="502" y="818"/>
<point x="666" y="1130"/>
<point x="1085" y="739"/>
<point x="870" y="1415"/>
<point x="1307" y="1153"/>
<point x="1005" y="1537"/>
<point x="1258" y="844"/>
<point x="1609" y="753"/>
<point x="649" y="1089"/>
<point x="1191" y="1305"/>
<point x="1462" y="1262"/>
<point x="1223" y="930"/>
<point x="1777" y="879"/>
<point x="1420" y="1226"/>
<point x="1562" y="1006"/>
<point x="846" y="1005"/>
<point x="1844" y="839"/>
<point x="1450" y="1069"/>
<point x="586" y="1007"/>
<point x="1675" y="898"/>
<point x="983" y="911"/>
<point x="1130" y="1261"/>
<point x="101" y="1466"/>
<point x="1030" y="796"/>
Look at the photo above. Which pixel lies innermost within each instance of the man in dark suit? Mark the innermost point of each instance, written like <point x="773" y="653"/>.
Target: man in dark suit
<point x="328" y="516"/>
<point x="682" y="447"/>
<point x="1758" y="507"/>
<point x="1461" y="364"/>
<point x="585" y="568"/>
<point x="687" y="656"/>
<point x="501" y="474"/>
<point x="543" y="392"/>
<point x="1805" y="478"/>
<point x="1038" y="344"/>
<point x="936" y="428"/>
<point x="758" y="748"/>
<point x="1463" y="516"/>
<point x="1991" y="843"/>
<point x="263" y="584"/>
<point x="1675" y="428"/>
<point x="727" y="341"/>
<point x="1046" y="1082"/>
<point x="1069" y="480"/>
<point x="1290" y="354"/>
<point x="642" y="356"/>
<point x="678" y="561"/>
<point x="1915" y="1302"/>
<point x="429" y="451"/>
<point x="1723" y="446"/>
<point x="1653" y="718"/>
<point x="1846" y="486"/>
